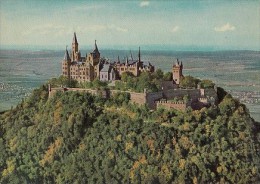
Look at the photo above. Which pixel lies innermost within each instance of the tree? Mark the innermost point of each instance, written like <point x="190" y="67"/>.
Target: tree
<point x="62" y="81"/>
<point x="167" y="76"/>
<point x="158" y="74"/>
<point x="189" y="82"/>
<point x="207" y="84"/>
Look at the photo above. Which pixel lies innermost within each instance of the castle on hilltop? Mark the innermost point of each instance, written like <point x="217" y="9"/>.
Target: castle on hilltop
<point x="92" y="66"/>
<point x="88" y="68"/>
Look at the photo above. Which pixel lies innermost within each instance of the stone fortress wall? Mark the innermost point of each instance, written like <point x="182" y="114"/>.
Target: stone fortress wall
<point x="172" y="105"/>
<point x="153" y="99"/>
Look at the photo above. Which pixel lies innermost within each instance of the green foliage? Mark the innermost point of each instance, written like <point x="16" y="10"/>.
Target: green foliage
<point x="63" y="81"/>
<point x="167" y="76"/>
<point x="79" y="138"/>
<point x="95" y="84"/>
<point x="207" y="84"/>
<point x="221" y="93"/>
<point x="146" y="80"/>
<point x="158" y="74"/>
<point x="189" y="82"/>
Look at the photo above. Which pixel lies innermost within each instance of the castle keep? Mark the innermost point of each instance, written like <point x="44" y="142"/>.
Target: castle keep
<point x="88" y="68"/>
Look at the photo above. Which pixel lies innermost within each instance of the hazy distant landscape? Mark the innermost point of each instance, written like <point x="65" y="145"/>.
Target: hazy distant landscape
<point x="236" y="71"/>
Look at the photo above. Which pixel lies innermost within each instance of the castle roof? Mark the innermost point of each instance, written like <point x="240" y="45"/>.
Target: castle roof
<point x="66" y="55"/>
<point x="107" y="68"/>
<point x="178" y="63"/>
<point x="96" y="48"/>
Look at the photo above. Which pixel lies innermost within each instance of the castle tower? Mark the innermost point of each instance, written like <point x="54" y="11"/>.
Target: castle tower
<point x="75" y="48"/>
<point x="66" y="64"/>
<point x="95" y="58"/>
<point x="177" y="72"/>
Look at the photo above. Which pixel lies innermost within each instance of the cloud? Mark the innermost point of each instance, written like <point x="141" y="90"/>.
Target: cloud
<point x="144" y="3"/>
<point x="60" y="30"/>
<point x="98" y="28"/>
<point x="46" y="29"/>
<point x="225" y="27"/>
<point x="175" y="29"/>
<point x="86" y="7"/>
<point x="119" y="29"/>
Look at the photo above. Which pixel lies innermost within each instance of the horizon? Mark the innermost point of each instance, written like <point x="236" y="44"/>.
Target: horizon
<point x="182" y="25"/>
<point x="172" y="48"/>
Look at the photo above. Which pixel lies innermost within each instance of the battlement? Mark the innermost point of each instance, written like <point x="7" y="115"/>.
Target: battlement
<point x="179" y="105"/>
<point x="170" y="102"/>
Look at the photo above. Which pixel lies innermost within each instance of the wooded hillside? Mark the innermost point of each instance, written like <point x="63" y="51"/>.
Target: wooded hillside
<point x="80" y="138"/>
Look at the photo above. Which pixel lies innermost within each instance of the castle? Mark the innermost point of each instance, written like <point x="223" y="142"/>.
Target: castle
<point x="91" y="67"/>
<point x="88" y="68"/>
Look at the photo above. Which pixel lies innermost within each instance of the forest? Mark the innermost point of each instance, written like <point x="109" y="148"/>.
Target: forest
<point x="80" y="138"/>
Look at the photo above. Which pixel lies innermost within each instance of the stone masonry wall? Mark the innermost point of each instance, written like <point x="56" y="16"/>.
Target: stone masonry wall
<point x="147" y="98"/>
<point x="171" y="105"/>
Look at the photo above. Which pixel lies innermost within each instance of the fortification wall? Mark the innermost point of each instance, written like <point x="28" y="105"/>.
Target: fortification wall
<point x="172" y="93"/>
<point x="138" y="98"/>
<point x="171" y="105"/>
<point x="102" y="93"/>
<point x="148" y="98"/>
<point x="141" y="98"/>
<point x="152" y="97"/>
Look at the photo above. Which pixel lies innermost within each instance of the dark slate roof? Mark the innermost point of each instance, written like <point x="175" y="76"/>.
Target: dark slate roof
<point x="131" y="62"/>
<point x="106" y="68"/>
<point x="66" y="55"/>
<point x="147" y="63"/>
<point x="96" y="48"/>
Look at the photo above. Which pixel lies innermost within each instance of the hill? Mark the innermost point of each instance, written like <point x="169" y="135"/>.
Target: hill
<point x="79" y="138"/>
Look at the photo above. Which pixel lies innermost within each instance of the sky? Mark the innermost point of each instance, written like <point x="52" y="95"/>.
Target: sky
<point x="176" y="24"/>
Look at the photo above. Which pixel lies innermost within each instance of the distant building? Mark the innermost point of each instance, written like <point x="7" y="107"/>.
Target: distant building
<point x="92" y="66"/>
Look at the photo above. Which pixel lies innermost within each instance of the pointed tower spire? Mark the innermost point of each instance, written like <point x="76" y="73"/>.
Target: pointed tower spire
<point x="96" y="48"/>
<point x="131" y="55"/>
<point x="66" y="55"/>
<point x="177" y="62"/>
<point x="75" y="39"/>
<point x="126" y="61"/>
<point x="118" y="60"/>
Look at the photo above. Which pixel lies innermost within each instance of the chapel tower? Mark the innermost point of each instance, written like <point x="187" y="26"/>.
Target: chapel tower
<point x="75" y="55"/>
<point x="177" y="72"/>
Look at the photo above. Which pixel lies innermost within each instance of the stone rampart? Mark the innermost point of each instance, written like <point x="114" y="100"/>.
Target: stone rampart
<point x="172" y="105"/>
<point x="103" y="93"/>
<point x="151" y="99"/>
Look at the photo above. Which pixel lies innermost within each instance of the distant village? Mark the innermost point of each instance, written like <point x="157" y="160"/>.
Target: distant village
<point x="86" y="69"/>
